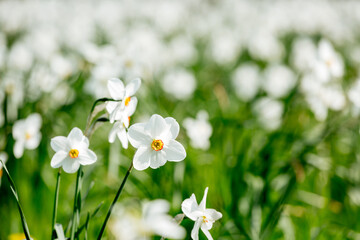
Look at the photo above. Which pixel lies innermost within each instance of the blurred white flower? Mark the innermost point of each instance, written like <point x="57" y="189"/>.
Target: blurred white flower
<point x="329" y="63"/>
<point x="124" y="109"/>
<point x="199" y="130"/>
<point x="246" y="81"/>
<point x="129" y="224"/>
<point x="180" y="83"/>
<point x="279" y="80"/>
<point x="26" y="133"/>
<point x="20" y="57"/>
<point x="303" y="54"/>
<point x="72" y="151"/>
<point x="203" y="217"/>
<point x="354" y="97"/>
<point x="269" y="112"/>
<point x="155" y="141"/>
<point x="3" y="158"/>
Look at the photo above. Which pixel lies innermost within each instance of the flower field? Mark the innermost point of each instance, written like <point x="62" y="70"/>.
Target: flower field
<point x="129" y="120"/>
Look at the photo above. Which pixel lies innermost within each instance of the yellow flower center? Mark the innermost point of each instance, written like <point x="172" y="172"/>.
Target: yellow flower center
<point x="127" y="100"/>
<point x="27" y="136"/>
<point x="205" y="219"/>
<point x="74" y="153"/>
<point x="1" y="173"/>
<point x="157" y="144"/>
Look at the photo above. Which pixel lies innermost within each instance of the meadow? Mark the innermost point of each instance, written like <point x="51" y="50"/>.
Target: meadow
<point x="265" y="96"/>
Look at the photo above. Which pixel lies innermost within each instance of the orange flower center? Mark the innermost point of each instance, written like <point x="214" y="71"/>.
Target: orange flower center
<point x="1" y="173"/>
<point x="127" y="101"/>
<point x="157" y="144"/>
<point x="74" y="153"/>
<point x="27" y="136"/>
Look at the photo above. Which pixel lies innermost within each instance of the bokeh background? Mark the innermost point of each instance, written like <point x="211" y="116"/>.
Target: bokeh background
<point x="267" y="94"/>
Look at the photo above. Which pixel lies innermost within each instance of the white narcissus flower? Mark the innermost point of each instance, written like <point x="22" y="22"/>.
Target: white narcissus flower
<point x="72" y="151"/>
<point x="26" y="133"/>
<point x="129" y="223"/>
<point x="119" y="92"/>
<point x="329" y="63"/>
<point x="155" y="141"/>
<point x="199" y="130"/>
<point x="203" y="217"/>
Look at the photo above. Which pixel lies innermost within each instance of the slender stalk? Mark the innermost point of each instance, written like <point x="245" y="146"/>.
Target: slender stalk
<point x="76" y="207"/>
<point x="114" y="201"/>
<point x="21" y="212"/>
<point x="56" y="202"/>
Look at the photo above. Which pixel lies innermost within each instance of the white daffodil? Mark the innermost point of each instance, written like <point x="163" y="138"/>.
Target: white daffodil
<point x="3" y="158"/>
<point x="203" y="217"/>
<point x="26" y="133"/>
<point x="119" y="130"/>
<point x="199" y="130"/>
<point x="131" y="224"/>
<point x="119" y="92"/>
<point x="329" y="63"/>
<point x="155" y="141"/>
<point x="72" y="151"/>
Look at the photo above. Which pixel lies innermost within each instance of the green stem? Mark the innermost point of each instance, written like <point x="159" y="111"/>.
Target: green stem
<point x="76" y="210"/>
<point x="114" y="201"/>
<point x="56" y="202"/>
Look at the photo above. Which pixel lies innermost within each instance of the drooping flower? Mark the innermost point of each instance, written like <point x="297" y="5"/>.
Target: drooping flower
<point x="129" y="223"/>
<point x="119" y="130"/>
<point x="199" y="130"/>
<point x="119" y="92"/>
<point x="72" y="151"/>
<point x="26" y="133"/>
<point x="155" y="141"/>
<point x="203" y="217"/>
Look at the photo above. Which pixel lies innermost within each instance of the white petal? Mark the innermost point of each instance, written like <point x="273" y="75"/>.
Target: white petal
<point x="59" y="143"/>
<point x="110" y="106"/>
<point x="86" y="157"/>
<point x="116" y="88"/>
<point x="122" y="135"/>
<point x="133" y="86"/>
<point x="174" y="151"/>
<point x="75" y="136"/>
<point x="213" y="214"/>
<point x="174" y="127"/>
<point x="138" y="136"/>
<point x="202" y="205"/>
<point x="116" y="114"/>
<point x="19" y="148"/>
<point x="33" y="142"/>
<point x="58" y="158"/>
<point x="19" y="129"/>
<point x="190" y="208"/>
<point x="156" y="126"/>
<point x="141" y="159"/>
<point x="34" y="121"/>
<point x="113" y="132"/>
<point x="195" y="230"/>
<point x="70" y="165"/>
<point x="131" y="107"/>
<point x="155" y="207"/>
<point x="157" y="159"/>
<point x="206" y="232"/>
<point x="165" y="226"/>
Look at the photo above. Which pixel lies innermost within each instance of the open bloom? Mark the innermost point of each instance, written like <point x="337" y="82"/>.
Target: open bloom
<point x="131" y="224"/>
<point x="155" y="141"/>
<point x="203" y="217"/>
<point x="119" y="92"/>
<point x="26" y="133"/>
<point x="71" y="151"/>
